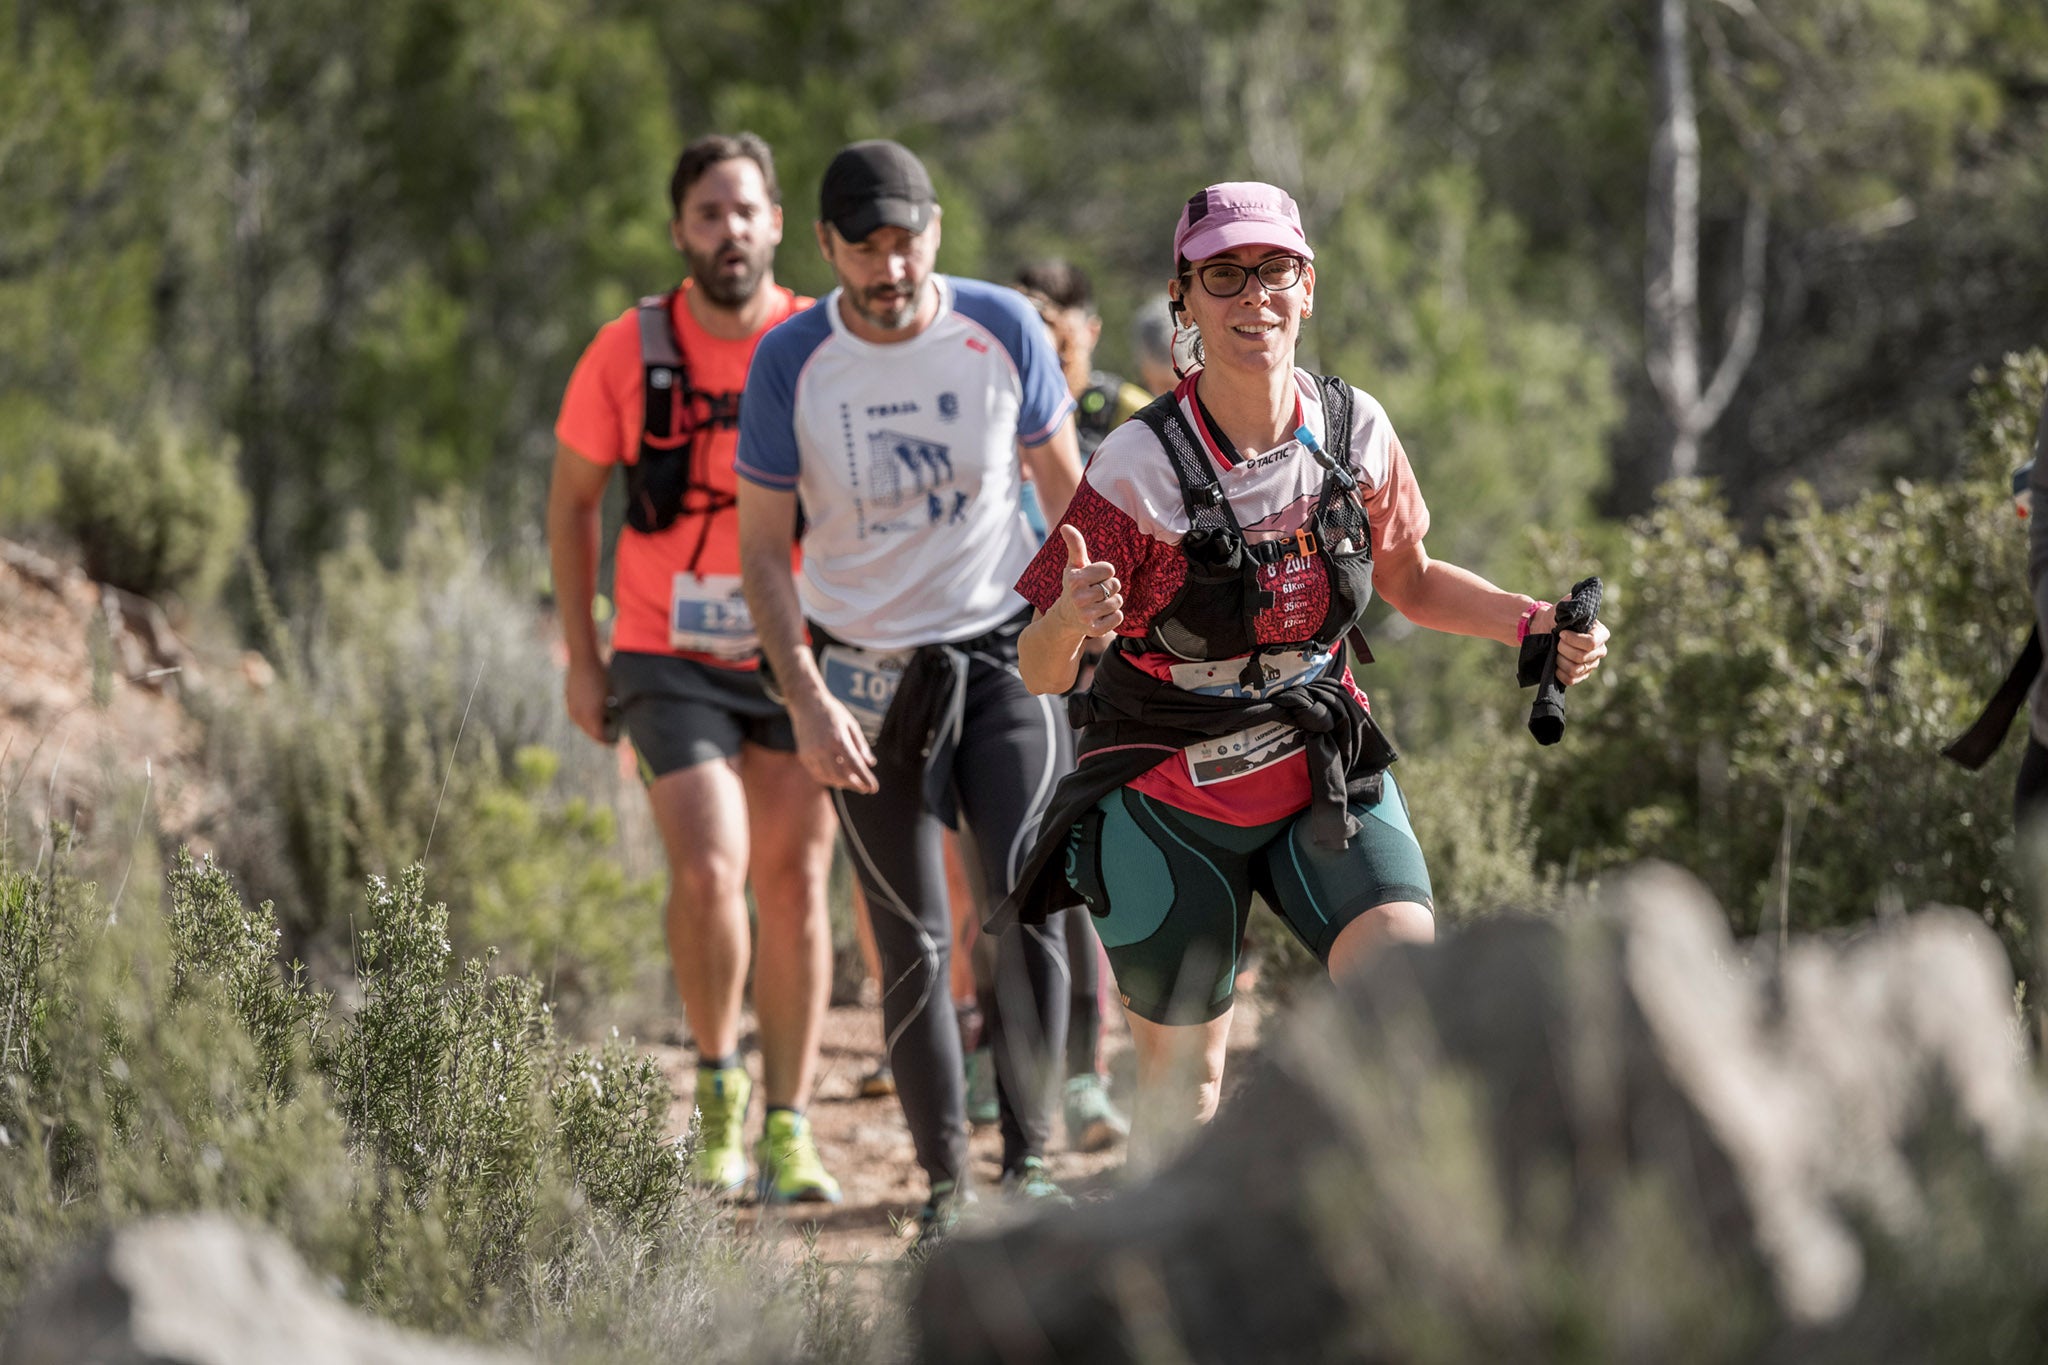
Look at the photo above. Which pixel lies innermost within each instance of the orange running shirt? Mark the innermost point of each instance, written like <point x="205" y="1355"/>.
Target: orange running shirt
<point x="601" y="421"/>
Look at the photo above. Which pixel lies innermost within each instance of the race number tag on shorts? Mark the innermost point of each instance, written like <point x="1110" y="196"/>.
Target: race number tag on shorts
<point x="709" y="615"/>
<point x="1261" y="746"/>
<point x="1247" y="751"/>
<point x="864" y="681"/>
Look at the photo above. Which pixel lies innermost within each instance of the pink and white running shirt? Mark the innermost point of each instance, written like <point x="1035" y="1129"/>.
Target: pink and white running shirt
<point x="1130" y="510"/>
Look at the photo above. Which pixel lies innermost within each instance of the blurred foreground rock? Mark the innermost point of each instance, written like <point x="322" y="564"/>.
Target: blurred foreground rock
<point x="1615" y="1137"/>
<point x="205" y="1291"/>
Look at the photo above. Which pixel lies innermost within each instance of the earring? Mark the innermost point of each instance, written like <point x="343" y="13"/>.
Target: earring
<point x="1307" y="313"/>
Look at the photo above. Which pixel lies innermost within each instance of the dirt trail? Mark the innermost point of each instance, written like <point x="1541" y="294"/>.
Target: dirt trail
<point x="865" y="1144"/>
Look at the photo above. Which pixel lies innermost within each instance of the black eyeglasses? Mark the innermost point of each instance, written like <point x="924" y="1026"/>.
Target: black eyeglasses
<point x="1222" y="280"/>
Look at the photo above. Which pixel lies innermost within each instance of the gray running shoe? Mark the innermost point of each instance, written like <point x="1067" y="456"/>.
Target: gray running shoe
<point x="982" y="1106"/>
<point x="1093" y="1123"/>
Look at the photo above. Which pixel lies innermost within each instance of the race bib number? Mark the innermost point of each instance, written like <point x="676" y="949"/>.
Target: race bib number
<point x="864" y="681"/>
<point x="709" y="615"/>
<point x="1247" y="751"/>
<point x="1261" y="746"/>
<point x="1225" y="677"/>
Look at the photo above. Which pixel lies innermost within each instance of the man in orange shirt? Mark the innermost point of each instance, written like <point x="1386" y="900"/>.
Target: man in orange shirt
<point x="658" y="392"/>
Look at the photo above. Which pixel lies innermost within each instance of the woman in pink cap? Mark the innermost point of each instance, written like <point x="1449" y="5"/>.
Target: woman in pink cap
<point x="1229" y="538"/>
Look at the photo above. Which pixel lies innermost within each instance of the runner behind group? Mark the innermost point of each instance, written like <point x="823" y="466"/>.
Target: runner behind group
<point x="1065" y="299"/>
<point x="2030" y="790"/>
<point x="895" y="411"/>
<point x="658" y="392"/>
<point x="1152" y="345"/>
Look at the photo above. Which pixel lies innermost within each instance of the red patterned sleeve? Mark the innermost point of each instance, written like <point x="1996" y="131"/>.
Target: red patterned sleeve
<point x="1112" y="535"/>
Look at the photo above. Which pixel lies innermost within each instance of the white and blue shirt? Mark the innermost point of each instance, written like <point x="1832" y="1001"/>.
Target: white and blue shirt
<point x="904" y="457"/>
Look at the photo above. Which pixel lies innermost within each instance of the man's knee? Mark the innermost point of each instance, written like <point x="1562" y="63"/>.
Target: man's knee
<point x="790" y="902"/>
<point x="706" y="881"/>
<point x="911" y="972"/>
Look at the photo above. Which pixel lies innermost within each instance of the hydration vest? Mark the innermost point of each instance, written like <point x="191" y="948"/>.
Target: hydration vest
<point x="668" y="479"/>
<point x="1214" y="614"/>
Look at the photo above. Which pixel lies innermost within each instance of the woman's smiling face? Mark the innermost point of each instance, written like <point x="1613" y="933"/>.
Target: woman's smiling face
<point x="1256" y="330"/>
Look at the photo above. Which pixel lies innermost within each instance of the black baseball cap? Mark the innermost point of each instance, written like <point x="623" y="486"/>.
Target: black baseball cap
<point x="876" y="184"/>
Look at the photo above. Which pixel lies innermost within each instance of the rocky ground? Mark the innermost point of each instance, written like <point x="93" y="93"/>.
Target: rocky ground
<point x="89" y="685"/>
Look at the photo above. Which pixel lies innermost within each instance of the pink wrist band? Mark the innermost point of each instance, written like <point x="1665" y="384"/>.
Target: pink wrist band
<point x="1522" y="626"/>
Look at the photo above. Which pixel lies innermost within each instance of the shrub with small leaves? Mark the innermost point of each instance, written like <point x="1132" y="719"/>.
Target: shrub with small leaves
<point x="439" y="1153"/>
<point x="437" y="1079"/>
<point x="33" y="933"/>
<point x="611" y="1112"/>
<point x="154" y="511"/>
<point x="216" y="944"/>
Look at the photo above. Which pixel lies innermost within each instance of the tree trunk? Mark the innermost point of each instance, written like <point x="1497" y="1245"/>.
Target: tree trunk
<point x="253" y="406"/>
<point x="1671" y="313"/>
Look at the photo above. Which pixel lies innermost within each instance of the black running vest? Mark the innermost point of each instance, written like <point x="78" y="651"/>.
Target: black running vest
<point x="1214" y="613"/>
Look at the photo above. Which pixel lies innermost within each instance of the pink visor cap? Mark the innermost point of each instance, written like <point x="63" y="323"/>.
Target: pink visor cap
<point x="1238" y="213"/>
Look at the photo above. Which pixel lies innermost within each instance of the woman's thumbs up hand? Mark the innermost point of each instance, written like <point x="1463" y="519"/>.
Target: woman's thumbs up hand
<point x="1091" y="597"/>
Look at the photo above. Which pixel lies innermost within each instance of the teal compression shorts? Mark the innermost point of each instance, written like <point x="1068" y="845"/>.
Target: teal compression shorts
<point x="1171" y="892"/>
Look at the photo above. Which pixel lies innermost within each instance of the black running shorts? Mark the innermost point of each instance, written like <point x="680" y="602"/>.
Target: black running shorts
<point x="680" y="713"/>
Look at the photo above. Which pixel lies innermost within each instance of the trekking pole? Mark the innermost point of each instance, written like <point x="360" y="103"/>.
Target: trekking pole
<point x="1577" y="612"/>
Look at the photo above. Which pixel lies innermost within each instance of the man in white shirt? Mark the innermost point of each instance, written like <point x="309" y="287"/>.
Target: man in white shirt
<point x="895" y="412"/>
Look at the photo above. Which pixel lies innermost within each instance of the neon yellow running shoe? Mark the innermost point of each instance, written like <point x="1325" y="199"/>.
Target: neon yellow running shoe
<point x="720" y="1161"/>
<point x="791" y="1172"/>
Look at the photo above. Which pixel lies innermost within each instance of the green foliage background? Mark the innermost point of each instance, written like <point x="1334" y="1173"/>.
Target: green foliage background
<point x="361" y="245"/>
<point x="418" y="716"/>
<point x="1773" y="719"/>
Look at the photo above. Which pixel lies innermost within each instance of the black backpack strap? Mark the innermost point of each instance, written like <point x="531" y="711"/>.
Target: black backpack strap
<point x="1336" y="452"/>
<point x="1975" y="746"/>
<point x="1337" y="416"/>
<point x="1207" y="508"/>
<point x="674" y="417"/>
<point x="665" y="377"/>
<point x="657" y="333"/>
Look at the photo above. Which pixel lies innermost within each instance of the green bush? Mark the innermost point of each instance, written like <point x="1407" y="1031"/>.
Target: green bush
<point x="157" y="511"/>
<point x="1773" y="713"/>
<point x="543" y="884"/>
<point x="419" y="711"/>
<point x="439" y="1152"/>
